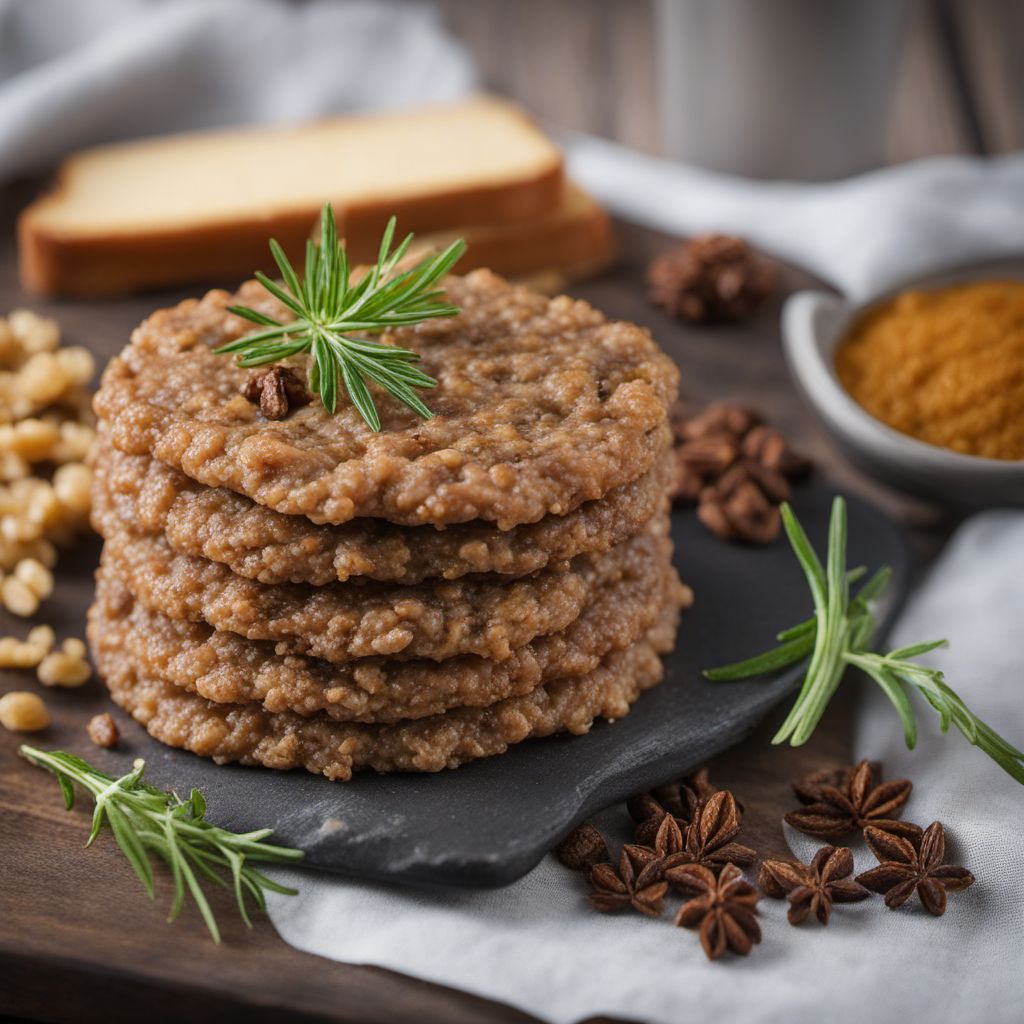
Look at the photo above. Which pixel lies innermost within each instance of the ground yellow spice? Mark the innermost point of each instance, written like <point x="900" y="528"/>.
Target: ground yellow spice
<point x="944" y="366"/>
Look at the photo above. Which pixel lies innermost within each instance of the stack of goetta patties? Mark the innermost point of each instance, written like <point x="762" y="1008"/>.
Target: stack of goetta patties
<point x="305" y="592"/>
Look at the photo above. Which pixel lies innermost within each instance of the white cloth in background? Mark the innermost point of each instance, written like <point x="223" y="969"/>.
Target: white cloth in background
<point x="79" y="72"/>
<point x="862" y="235"/>
<point x="537" y="946"/>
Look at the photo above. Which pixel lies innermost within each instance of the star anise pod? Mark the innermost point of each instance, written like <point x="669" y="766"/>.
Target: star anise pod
<point x="708" y="840"/>
<point x="905" y="866"/>
<point x="723" y="908"/>
<point x="667" y="845"/>
<point x="682" y="799"/>
<point x="276" y="390"/>
<point x="840" y="802"/>
<point x="635" y="884"/>
<point x="814" y="887"/>
<point x="807" y="787"/>
<point x="648" y="812"/>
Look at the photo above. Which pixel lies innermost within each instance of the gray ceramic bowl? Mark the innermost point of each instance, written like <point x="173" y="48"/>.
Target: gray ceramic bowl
<point x="812" y="325"/>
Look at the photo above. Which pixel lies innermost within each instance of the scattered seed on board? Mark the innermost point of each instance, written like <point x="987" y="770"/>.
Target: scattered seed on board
<point x="45" y="417"/>
<point x="62" y="669"/>
<point x="21" y="711"/>
<point x="103" y="731"/>
<point x="18" y="597"/>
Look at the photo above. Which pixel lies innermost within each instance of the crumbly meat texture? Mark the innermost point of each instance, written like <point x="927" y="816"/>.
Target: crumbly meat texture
<point x="228" y="669"/>
<point x="482" y="615"/>
<point x="251" y="735"/>
<point x="541" y="405"/>
<point x="142" y="495"/>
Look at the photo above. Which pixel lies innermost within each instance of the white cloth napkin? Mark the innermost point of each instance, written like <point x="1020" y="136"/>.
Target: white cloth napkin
<point x="537" y="946"/>
<point x="76" y="73"/>
<point x="862" y="235"/>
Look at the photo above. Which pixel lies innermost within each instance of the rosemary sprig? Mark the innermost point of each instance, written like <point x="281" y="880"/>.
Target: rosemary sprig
<point x="840" y="634"/>
<point x="146" y="820"/>
<point x="333" y="315"/>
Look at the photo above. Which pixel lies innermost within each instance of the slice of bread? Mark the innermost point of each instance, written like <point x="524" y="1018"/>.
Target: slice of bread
<point x="573" y="242"/>
<point x="201" y="207"/>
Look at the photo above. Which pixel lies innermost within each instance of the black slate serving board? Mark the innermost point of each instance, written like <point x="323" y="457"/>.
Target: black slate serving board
<point x="489" y="822"/>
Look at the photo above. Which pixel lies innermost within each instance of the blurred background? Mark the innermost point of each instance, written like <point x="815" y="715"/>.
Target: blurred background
<point x="940" y="76"/>
<point x="765" y="88"/>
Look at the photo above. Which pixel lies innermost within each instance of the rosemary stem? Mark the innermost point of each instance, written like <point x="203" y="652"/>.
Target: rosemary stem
<point x="147" y="821"/>
<point x="842" y="631"/>
<point x="333" y="314"/>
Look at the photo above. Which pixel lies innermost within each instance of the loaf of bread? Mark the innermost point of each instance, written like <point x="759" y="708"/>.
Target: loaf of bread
<point x="200" y="207"/>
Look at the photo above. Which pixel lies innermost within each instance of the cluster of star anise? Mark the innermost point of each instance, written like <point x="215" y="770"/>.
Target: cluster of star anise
<point x="685" y="844"/>
<point x="839" y="802"/>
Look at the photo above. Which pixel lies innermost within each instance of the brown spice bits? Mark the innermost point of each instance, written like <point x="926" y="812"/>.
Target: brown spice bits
<point x="711" y="278"/>
<point x="582" y="848"/>
<point x="724" y="909"/>
<point x="736" y="469"/>
<point x="636" y="885"/>
<point x="840" y="801"/>
<point x="813" y="888"/>
<point x="276" y="390"/>
<point x="905" y="866"/>
<point x="103" y="731"/>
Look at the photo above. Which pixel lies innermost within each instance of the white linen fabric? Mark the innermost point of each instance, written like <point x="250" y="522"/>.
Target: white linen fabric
<point x="536" y="945"/>
<point x="76" y="73"/>
<point x="863" y="235"/>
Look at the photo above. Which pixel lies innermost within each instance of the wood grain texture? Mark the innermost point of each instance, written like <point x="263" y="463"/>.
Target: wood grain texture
<point x="590" y="65"/>
<point x="583" y="64"/>
<point x="991" y="33"/>
<point x="79" y="942"/>
<point x="927" y="117"/>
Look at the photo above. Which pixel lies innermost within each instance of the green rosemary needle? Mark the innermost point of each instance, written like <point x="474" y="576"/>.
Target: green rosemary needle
<point x="840" y="634"/>
<point x="333" y="317"/>
<point x="146" y="820"/>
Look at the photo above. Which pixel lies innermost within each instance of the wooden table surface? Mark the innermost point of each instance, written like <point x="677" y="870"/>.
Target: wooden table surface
<point x="78" y="940"/>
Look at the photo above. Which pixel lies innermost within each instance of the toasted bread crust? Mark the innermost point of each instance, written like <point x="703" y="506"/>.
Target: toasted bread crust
<point x="116" y="263"/>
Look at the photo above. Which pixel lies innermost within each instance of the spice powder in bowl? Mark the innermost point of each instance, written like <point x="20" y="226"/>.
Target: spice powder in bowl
<point x="944" y="366"/>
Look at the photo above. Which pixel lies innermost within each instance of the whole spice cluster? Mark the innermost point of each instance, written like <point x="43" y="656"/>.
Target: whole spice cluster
<point x="711" y="278"/>
<point x="686" y="844"/>
<point x="736" y="469"/>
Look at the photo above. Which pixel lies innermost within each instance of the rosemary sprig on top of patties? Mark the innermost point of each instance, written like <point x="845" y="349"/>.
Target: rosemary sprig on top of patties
<point x="841" y="634"/>
<point x="334" y="316"/>
<point x="146" y="820"/>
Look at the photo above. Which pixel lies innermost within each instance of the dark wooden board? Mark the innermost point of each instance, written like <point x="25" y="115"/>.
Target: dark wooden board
<point x="79" y="942"/>
<point x="492" y="820"/>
